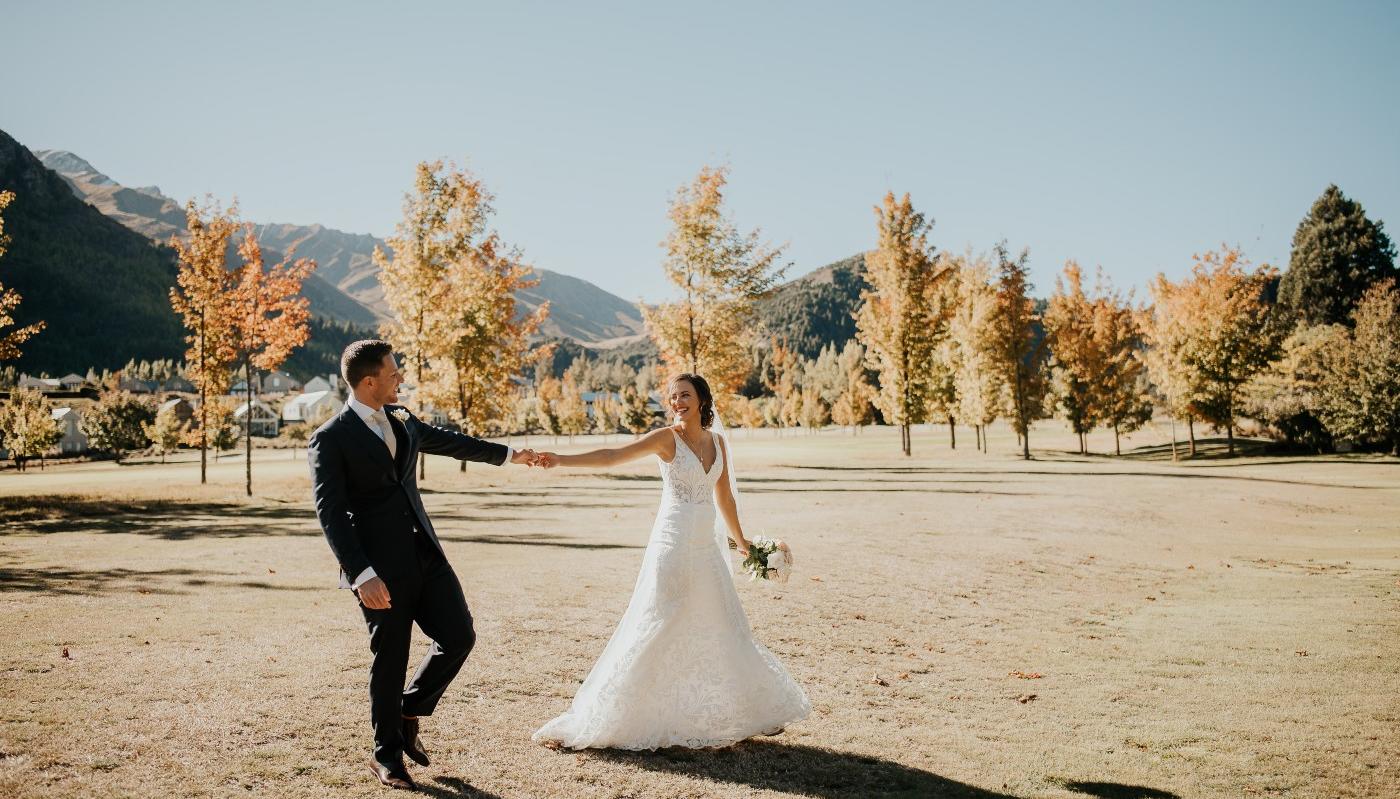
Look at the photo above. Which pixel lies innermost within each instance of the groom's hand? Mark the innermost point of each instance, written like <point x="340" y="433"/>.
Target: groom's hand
<point x="525" y="456"/>
<point x="374" y="594"/>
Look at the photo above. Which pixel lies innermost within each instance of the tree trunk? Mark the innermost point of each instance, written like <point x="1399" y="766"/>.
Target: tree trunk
<point x="1117" y="449"/>
<point x="905" y="441"/>
<point x="952" y="433"/>
<point x="1191" y="433"/>
<point x="1230" y="436"/>
<point x="1026" y="444"/>
<point x="248" y="426"/>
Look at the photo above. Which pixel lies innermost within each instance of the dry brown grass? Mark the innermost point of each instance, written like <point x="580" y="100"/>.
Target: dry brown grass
<point x="1219" y="628"/>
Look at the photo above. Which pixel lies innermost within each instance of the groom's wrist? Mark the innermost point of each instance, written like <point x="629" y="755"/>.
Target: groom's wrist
<point x="364" y="577"/>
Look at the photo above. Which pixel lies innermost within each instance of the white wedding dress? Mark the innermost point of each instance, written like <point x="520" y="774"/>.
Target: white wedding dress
<point x="682" y="668"/>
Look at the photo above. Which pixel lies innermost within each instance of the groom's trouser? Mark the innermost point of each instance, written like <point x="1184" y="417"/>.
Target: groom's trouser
<point x="433" y="598"/>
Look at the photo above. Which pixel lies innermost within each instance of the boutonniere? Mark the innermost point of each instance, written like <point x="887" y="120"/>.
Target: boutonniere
<point x="400" y="414"/>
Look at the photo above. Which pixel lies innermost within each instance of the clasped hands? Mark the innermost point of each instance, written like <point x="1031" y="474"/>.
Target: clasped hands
<point x="529" y="457"/>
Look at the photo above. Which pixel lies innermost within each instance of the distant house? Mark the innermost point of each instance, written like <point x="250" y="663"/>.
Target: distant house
<point x="330" y="383"/>
<point x="70" y="425"/>
<point x="279" y="383"/>
<point x="136" y="386"/>
<point x="179" y="385"/>
<point x="311" y="406"/>
<point x="264" y="421"/>
<point x="590" y="397"/>
<point x="72" y="382"/>
<point x="183" y="410"/>
<point x="40" y="383"/>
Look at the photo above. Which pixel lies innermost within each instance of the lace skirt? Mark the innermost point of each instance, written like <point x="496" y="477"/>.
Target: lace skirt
<point x="682" y="668"/>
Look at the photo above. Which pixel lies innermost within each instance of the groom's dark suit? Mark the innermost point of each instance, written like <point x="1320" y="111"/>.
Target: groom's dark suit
<point x="370" y="510"/>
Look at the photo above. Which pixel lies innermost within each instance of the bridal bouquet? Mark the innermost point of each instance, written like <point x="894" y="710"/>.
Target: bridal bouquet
<point x="769" y="559"/>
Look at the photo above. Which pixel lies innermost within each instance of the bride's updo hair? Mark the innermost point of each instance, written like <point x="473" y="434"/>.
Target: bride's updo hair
<point x="702" y="392"/>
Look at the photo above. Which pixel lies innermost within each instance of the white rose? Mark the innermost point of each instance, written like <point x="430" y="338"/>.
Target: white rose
<point x="401" y="415"/>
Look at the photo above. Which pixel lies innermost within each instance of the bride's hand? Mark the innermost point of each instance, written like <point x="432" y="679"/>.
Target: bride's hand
<point x="742" y="547"/>
<point x="547" y="459"/>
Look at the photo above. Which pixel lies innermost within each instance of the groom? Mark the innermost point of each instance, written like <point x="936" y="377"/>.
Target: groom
<point x="362" y="472"/>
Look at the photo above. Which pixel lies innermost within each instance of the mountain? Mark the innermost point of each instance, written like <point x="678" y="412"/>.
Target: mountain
<point x="102" y="289"/>
<point x="158" y="217"/>
<point x="818" y="308"/>
<point x="345" y="286"/>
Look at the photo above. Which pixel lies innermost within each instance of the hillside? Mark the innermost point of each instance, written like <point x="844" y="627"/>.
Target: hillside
<point x="101" y="288"/>
<point x="345" y="287"/>
<point x="818" y="308"/>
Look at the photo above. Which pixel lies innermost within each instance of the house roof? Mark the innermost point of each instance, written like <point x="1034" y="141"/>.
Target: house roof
<point x="62" y="413"/>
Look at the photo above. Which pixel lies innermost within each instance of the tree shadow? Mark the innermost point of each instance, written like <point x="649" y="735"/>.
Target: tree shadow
<point x="169" y="519"/>
<point x="1173" y="475"/>
<point x="805" y="770"/>
<point x="164" y="582"/>
<point x="531" y="540"/>
<point x="453" y="788"/>
<point x="1114" y="790"/>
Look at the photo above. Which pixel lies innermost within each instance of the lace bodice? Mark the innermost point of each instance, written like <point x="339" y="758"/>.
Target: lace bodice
<point x="685" y="480"/>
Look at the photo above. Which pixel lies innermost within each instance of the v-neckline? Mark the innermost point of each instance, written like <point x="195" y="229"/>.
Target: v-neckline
<point x="698" y="459"/>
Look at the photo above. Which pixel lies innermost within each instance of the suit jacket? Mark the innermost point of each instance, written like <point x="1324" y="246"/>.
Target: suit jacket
<point x="368" y="503"/>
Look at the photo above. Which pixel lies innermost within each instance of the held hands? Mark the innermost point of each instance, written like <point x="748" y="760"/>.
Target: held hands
<point x="527" y="457"/>
<point x="548" y="460"/>
<point x="374" y="594"/>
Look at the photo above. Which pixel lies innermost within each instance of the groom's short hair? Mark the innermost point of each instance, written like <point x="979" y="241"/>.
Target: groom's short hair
<point x="362" y="359"/>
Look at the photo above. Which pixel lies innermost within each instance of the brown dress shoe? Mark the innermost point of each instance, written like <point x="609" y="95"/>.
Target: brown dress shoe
<point x="395" y="777"/>
<point x="412" y="746"/>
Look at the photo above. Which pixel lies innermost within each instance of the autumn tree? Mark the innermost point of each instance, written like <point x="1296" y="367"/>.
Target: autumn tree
<point x="201" y="297"/>
<point x="118" y="422"/>
<point x="1232" y="336"/>
<point x="482" y="344"/>
<point x="721" y="274"/>
<point x="607" y="413"/>
<point x="548" y="392"/>
<point x="1361" y="395"/>
<point x="10" y="340"/>
<point x="1287" y="395"/>
<point x="854" y="404"/>
<point x="269" y="319"/>
<point x="27" y="426"/>
<point x="167" y="431"/>
<point x="894" y="322"/>
<point x="572" y="410"/>
<point x="784" y="380"/>
<point x="942" y="367"/>
<point x="1337" y="254"/>
<point x="636" y="415"/>
<point x="1076" y="362"/>
<point x="1017" y="355"/>
<point x="977" y="381"/>
<point x="440" y="218"/>
<point x="1121" y="386"/>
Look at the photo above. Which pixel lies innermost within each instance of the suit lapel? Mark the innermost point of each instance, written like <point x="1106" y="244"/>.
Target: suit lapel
<point x="372" y="443"/>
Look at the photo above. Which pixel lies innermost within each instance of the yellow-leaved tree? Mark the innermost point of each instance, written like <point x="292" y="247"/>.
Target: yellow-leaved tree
<point x="10" y="340"/>
<point x="895" y="322"/>
<point x="201" y="297"/>
<point x="269" y="317"/>
<point x="721" y="274"/>
<point x="478" y="343"/>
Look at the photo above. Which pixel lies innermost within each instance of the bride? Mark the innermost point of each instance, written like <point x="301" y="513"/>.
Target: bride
<point x="682" y="668"/>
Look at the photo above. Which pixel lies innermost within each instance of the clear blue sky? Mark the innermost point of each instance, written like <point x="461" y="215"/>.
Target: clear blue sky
<point x="1125" y="134"/>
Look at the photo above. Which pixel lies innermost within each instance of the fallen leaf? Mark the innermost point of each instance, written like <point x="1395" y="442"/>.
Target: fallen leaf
<point x="1024" y="698"/>
<point x="1299" y="652"/>
<point x="143" y="591"/>
<point x="271" y="571"/>
<point x="1026" y="675"/>
<point x="65" y="654"/>
<point x="860" y="616"/>
<point x="1190" y="566"/>
<point x="876" y="679"/>
<point x="815" y="579"/>
<point x="1151" y="598"/>
<point x="904" y="675"/>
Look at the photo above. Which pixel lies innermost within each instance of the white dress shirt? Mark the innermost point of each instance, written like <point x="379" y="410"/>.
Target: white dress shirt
<point x="365" y="412"/>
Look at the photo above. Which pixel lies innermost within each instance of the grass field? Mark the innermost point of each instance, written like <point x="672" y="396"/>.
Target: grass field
<point x="966" y="625"/>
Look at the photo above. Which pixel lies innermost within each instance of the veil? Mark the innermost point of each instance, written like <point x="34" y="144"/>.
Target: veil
<point x="721" y="529"/>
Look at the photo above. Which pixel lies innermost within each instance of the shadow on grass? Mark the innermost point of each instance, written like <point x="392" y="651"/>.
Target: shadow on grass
<point x="828" y="774"/>
<point x="1114" y="790"/>
<point x="453" y="788"/>
<point x="804" y="770"/>
<point x="1082" y="459"/>
<point x="170" y="519"/>
<point x="531" y="540"/>
<point x="74" y="582"/>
